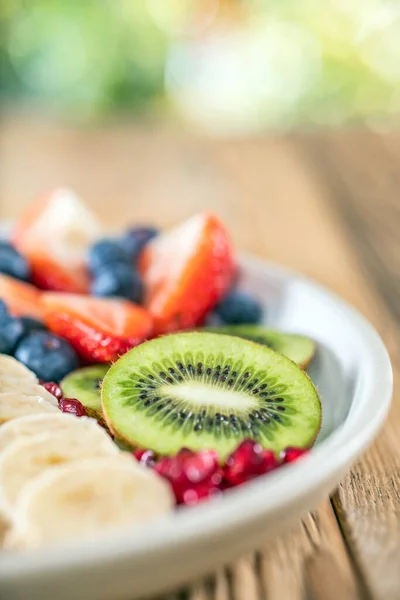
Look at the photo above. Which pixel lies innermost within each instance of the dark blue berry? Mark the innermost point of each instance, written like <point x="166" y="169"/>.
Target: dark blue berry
<point x="6" y="244"/>
<point x="13" y="263"/>
<point x="136" y="238"/>
<point x="11" y="331"/>
<point x="118" y="280"/>
<point x="32" y="325"/>
<point x="3" y="310"/>
<point x="47" y="355"/>
<point x="107" y="252"/>
<point x="238" y="308"/>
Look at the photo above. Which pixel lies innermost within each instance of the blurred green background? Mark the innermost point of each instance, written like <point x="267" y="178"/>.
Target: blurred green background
<point x="221" y="66"/>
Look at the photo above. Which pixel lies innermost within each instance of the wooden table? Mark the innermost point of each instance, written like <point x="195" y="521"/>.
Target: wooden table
<point x="327" y="205"/>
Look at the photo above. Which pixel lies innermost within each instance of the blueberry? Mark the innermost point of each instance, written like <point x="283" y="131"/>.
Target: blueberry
<point x="3" y="310"/>
<point x="11" y="331"/>
<point x="47" y="355"/>
<point x="118" y="279"/>
<point x="107" y="252"/>
<point x="32" y="325"/>
<point x="13" y="263"/>
<point x="239" y="307"/>
<point x="136" y="238"/>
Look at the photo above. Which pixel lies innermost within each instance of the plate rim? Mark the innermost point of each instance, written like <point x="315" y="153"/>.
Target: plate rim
<point x="208" y="520"/>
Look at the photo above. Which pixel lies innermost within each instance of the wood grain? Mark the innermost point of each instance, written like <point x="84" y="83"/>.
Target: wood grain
<point x="362" y="174"/>
<point x="326" y="205"/>
<point x="301" y="564"/>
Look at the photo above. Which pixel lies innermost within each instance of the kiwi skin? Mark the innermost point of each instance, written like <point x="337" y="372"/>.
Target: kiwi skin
<point x="208" y="340"/>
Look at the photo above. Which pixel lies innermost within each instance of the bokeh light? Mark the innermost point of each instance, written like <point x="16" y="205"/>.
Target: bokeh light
<point x="215" y="65"/>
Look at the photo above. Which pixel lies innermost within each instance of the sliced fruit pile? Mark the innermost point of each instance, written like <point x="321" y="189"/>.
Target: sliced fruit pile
<point x="101" y="295"/>
<point x="60" y="278"/>
<point x="94" y="327"/>
<point x="54" y="465"/>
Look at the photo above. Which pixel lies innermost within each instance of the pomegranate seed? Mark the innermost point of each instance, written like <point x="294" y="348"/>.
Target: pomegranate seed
<point x="200" y="492"/>
<point x="198" y="467"/>
<point x="53" y="388"/>
<point x="146" y="457"/>
<point x="270" y="461"/>
<point x="192" y="475"/>
<point x="290" y="455"/>
<point x="72" y="406"/>
<point x="247" y="461"/>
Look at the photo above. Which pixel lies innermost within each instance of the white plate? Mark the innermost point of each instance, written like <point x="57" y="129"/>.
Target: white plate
<point x="353" y="374"/>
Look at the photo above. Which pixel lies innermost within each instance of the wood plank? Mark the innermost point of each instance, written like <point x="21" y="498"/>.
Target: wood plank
<point x="245" y="581"/>
<point x="362" y="175"/>
<point x="221" y="586"/>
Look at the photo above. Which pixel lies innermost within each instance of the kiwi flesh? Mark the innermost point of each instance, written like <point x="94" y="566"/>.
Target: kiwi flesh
<point x="203" y="390"/>
<point x="84" y="384"/>
<point x="298" y="348"/>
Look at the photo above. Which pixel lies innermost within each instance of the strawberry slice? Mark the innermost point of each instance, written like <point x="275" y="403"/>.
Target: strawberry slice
<point x="54" y="234"/>
<point x="99" y="329"/>
<point x="22" y="299"/>
<point x="186" y="272"/>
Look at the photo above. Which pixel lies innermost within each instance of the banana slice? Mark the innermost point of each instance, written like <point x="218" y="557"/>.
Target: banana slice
<point x="82" y="499"/>
<point x="26" y="388"/>
<point x="4" y="528"/>
<point x="15" y="377"/>
<point x="25" y="459"/>
<point x="41" y="391"/>
<point x="14" y="405"/>
<point x="11" y="368"/>
<point x="33" y="425"/>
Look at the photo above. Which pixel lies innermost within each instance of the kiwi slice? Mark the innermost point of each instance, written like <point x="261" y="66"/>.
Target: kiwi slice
<point x="203" y="390"/>
<point x="84" y="384"/>
<point x="298" y="348"/>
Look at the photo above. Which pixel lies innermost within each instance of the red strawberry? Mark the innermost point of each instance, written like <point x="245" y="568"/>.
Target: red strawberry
<point x="99" y="329"/>
<point x="22" y="299"/>
<point x="54" y="234"/>
<point x="186" y="272"/>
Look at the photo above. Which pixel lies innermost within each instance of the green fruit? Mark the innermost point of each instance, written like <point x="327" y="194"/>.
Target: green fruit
<point x="298" y="348"/>
<point x="84" y="384"/>
<point x="203" y="390"/>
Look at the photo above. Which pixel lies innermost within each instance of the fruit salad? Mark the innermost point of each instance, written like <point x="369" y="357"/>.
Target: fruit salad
<point x="135" y="375"/>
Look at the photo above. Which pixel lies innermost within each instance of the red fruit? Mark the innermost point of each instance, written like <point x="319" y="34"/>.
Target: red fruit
<point x="146" y="457"/>
<point x="202" y="491"/>
<point x="99" y="329"/>
<point x="290" y="455"/>
<point x="193" y="476"/>
<point x="53" y="388"/>
<point x="48" y="274"/>
<point x="72" y="406"/>
<point x="247" y="461"/>
<point x="28" y="218"/>
<point x="22" y="299"/>
<point x="54" y="234"/>
<point x="186" y="272"/>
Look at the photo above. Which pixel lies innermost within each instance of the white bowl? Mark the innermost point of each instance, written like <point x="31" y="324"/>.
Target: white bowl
<point x="353" y="374"/>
